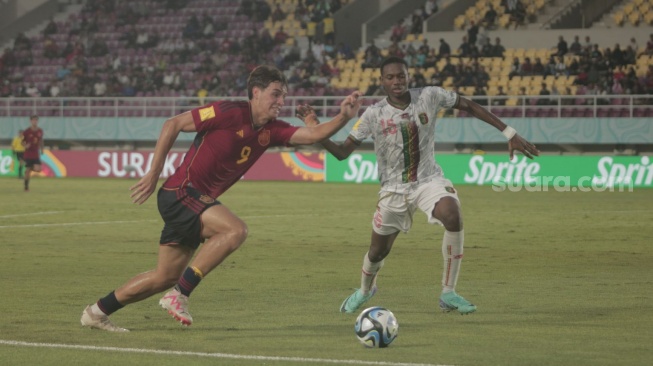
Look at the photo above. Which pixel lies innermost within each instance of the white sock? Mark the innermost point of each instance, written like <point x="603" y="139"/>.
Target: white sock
<point x="96" y="310"/>
<point x="368" y="274"/>
<point x="452" y="252"/>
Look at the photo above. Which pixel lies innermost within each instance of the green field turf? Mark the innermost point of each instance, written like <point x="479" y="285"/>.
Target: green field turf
<point x="558" y="278"/>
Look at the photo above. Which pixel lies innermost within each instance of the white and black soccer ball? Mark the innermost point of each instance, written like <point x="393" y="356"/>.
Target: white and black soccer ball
<point x="376" y="327"/>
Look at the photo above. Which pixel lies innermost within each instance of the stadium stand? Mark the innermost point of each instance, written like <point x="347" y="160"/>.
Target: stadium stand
<point x="192" y="50"/>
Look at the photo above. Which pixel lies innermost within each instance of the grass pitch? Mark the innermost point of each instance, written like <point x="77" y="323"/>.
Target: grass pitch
<point x="558" y="278"/>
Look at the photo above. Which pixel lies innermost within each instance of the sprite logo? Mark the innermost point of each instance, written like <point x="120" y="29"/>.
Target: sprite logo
<point x="493" y="169"/>
<point x="612" y="173"/>
<point x="483" y="172"/>
<point x="360" y="170"/>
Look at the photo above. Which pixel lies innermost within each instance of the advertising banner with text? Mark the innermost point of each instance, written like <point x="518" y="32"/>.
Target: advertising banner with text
<point x="284" y="166"/>
<point x="498" y="170"/>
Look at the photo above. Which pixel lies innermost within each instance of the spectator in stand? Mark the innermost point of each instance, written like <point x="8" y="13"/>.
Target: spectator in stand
<point x="527" y="67"/>
<point x="98" y="48"/>
<point x="465" y="48"/>
<point x="562" y="48"/>
<point x="500" y="97"/>
<point x="50" y="48"/>
<point x="431" y="7"/>
<point x="575" y="47"/>
<point x="649" y="46"/>
<point x="51" y="28"/>
<point x="445" y="50"/>
<point x="549" y="69"/>
<point x="32" y="91"/>
<point x="448" y="70"/>
<point x="515" y="68"/>
<point x="522" y="96"/>
<point x="617" y="56"/>
<point x="499" y="50"/>
<point x="538" y="67"/>
<point x="417" y="20"/>
<point x="21" y="42"/>
<point x="490" y="17"/>
<point x="281" y="36"/>
<point x="487" y="50"/>
<point x="63" y="71"/>
<point x="278" y="14"/>
<point x="544" y="91"/>
<point x="587" y="46"/>
<point x="373" y="88"/>
<point x="372" y="56"/>
<point x="630" y="55"/>
<point x="99" y="88"/>
<point x="560" y="68"/>
<point x="431" y="59"/>
<point x="472" y="32"/>
<point x="329" y="28"/>
<point x="344" y="51"/>
<point x="398" y="31"/>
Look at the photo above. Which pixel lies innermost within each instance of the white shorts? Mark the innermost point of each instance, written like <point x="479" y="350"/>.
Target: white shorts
<point x="394" y="211"/>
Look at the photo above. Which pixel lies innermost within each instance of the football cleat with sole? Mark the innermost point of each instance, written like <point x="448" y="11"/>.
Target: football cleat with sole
<point x="94" y="321"/>
<point x="176" y="304"/>
<point x="355" y="300"/>
<point x="452" y="301"/>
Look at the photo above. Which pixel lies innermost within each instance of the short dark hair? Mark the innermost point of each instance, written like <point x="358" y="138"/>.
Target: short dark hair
<point x="262" y="76"/>
<point x="34" y="116"/>
<point x="392" y="60"/>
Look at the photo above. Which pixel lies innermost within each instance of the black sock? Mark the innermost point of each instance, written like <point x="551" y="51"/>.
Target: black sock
<point x="109" y="304"/>
<point x="188" y="281"/>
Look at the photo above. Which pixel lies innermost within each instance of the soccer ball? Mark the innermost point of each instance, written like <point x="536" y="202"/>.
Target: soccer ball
<point x="376" y="327"/>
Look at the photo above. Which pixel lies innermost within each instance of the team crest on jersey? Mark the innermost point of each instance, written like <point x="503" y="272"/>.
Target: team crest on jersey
<point x="206" y="199"/>
<point x="206" y="113"/>
<point x="450" y="190"/>
<point x="264" y="138"/>
<point x="423" y="118"/>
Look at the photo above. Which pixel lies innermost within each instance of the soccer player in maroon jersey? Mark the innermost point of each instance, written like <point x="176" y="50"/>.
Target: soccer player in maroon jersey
<point x="33" y="142"/>
<point x="231" y="136"/>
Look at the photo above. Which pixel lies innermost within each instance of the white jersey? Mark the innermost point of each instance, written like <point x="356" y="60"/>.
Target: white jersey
<point x="404" y="140"/>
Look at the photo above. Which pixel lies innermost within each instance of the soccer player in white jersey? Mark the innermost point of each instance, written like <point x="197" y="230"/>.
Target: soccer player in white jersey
<point x="403" y="129"/>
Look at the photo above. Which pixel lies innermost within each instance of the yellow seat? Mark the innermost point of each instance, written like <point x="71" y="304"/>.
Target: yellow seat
<point x="618" y="18"/>
<point x="648" y="18"/>
<point x="459" y="22"/>
<point x="504" y="21"/>
<point x="628" y="8"/>
<point x="633" y="18"/>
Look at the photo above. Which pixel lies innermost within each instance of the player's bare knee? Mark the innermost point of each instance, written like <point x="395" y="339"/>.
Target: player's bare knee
<point x="378" y="254"/>
<point x="452" y="220"/>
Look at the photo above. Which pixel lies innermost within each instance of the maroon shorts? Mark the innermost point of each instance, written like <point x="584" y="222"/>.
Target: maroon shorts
<point x="181" y="209"/>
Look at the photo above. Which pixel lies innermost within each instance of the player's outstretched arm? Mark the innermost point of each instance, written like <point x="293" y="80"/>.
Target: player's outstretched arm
<point x="307" y="114"/>
<point x="315" y="133"/>
<point x="515" y="141"/>
<point x="142" y="190"/>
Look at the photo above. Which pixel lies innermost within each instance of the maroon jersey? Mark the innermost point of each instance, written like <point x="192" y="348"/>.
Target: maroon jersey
<point x="33" y="140"/>
<point x="225" y="147"/>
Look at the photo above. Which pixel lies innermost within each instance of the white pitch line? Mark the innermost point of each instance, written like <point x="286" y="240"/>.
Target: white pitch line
<point x="32" y="214"/>
<point x="210" y="355"/>
<point x="135" y="221"/>
<point x="75" y="223"/>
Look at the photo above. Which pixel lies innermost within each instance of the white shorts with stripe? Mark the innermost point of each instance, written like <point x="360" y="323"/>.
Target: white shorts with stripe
<point x="394" y="211"/>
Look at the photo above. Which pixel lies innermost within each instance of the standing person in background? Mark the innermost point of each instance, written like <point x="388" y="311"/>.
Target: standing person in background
<point x="33" y="142"/>
<point x="403" y="129"/>
<point x="19" y="150"/>
<point x="231" y="137"/>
